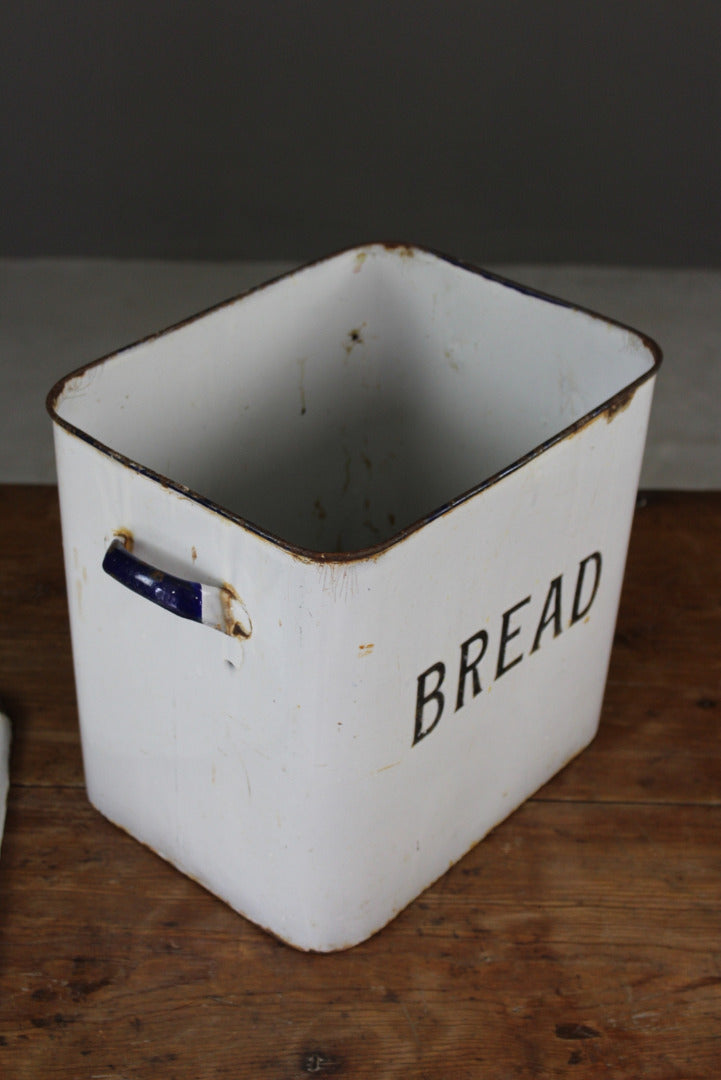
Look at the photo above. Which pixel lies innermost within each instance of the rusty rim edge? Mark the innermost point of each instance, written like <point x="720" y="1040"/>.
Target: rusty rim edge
<point x="613" y="404"/>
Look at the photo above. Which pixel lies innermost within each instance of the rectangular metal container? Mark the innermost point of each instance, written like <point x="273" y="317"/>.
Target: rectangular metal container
<point x="401" y="489"/>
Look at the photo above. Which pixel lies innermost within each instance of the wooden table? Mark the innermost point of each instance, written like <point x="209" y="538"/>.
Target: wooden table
<point x="582" y="938"/>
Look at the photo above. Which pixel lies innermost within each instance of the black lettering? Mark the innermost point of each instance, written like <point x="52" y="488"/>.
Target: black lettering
<point x="507" y="636"/>
<point x="422" y="699"/>
<point x="470" y="669"/>
<point x="551" y="612"/>
<point x="579" y="612"/>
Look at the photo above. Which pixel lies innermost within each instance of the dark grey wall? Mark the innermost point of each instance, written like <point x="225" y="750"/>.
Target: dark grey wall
<point x="577" y="130"/>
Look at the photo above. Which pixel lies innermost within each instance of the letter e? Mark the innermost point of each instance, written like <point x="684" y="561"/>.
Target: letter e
<point x="507" y="635"/>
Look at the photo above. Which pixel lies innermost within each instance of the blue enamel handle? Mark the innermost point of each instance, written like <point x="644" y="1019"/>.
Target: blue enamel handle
<point x="216" y="606"/>
<point x="182" y="597"/>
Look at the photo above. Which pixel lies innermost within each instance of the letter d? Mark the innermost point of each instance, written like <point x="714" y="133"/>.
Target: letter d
<point x="578" y="612"/>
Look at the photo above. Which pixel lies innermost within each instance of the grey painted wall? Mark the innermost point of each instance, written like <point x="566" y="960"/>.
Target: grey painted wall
<point x="569" y="130"/>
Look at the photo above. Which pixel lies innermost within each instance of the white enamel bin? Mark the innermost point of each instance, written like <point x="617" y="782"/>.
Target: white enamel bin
<point x="398" y="493"/>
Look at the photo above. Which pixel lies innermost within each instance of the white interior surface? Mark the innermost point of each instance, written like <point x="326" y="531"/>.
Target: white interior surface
<point x="352" y="398"/>
<point x="56" y="314"/>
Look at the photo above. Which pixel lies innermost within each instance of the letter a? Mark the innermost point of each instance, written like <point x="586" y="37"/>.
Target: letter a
<point x="550" y="614"/>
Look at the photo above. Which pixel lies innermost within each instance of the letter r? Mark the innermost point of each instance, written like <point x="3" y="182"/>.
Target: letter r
<point x="467" y="669"/>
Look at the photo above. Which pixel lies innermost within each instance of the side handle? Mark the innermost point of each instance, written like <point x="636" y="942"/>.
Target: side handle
<point x="212" y="605"/>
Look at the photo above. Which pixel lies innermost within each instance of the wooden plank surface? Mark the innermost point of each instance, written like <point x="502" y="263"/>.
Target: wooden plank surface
<point x="582" y="938"/>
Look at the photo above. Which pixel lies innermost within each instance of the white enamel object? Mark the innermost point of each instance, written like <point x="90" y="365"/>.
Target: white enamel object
<point x="402" y="490"/>
<point x="5" y="740"/>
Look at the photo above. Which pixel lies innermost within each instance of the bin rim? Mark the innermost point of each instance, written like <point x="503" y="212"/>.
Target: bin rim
<point x="617" y="403"/>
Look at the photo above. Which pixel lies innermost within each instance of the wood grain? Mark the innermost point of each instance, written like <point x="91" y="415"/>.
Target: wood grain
<point x="582" y="938"/>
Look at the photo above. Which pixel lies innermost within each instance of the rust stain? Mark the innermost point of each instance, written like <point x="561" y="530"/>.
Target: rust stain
<point x="232" y="625"/>
<point x="359" y="260"/>
<point x="127" y="537"/>
<point x="355" y="337"/>
<point x="404" y="250"/>
<point x="366" y="650"/>
<point x="319" y="510"/>
<point x="193" y="553"/>
<point x="618" y="404"/>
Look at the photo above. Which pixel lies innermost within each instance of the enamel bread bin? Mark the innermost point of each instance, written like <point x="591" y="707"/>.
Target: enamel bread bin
<point x="343" y="558"/>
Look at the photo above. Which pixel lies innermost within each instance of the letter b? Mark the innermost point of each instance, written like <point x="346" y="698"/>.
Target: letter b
<point x="422" y="699"/>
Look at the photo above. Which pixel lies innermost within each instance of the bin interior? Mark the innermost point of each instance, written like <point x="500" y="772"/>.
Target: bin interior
<point x="348" y="400"/>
